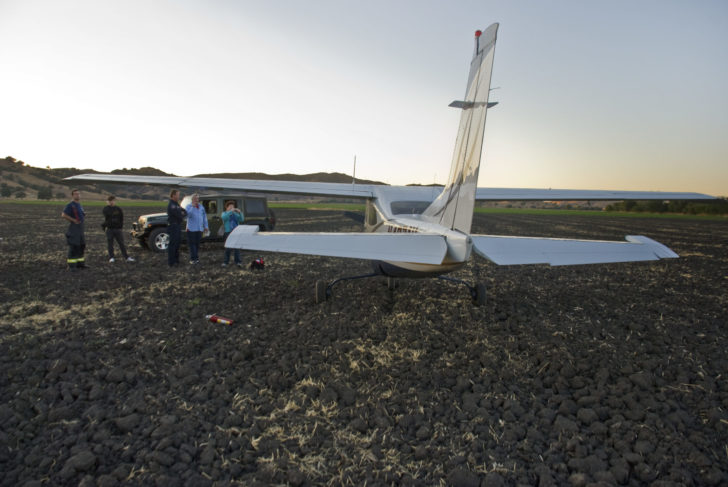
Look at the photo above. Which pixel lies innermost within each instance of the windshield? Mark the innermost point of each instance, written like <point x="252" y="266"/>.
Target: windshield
<point x="409" y="207"/>
<point x="254" y="207"/>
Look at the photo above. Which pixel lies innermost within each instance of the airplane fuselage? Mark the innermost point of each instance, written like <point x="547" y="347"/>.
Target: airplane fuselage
<point x="459" y="248"/>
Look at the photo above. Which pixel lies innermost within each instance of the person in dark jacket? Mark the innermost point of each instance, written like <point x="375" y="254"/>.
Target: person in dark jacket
<point x="113" y="224"/>
<point x="73" y="213"/>
<point x="175" y="215"/>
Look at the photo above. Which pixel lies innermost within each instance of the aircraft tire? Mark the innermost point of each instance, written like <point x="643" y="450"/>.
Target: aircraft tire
<point x="391" y="283"/>
<point x="479" y="299"/>
<point x="320" y="289"/>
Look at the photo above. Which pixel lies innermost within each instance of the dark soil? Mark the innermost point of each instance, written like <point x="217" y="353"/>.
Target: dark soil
<point x="602" y="374"/>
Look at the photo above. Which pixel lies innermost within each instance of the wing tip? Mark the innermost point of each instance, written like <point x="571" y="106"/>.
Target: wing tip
<point x="660" y="250"/>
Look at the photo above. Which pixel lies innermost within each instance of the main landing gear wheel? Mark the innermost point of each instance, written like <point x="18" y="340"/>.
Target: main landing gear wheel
<point x="320" y="295"/>
<point x="479" y="294"/>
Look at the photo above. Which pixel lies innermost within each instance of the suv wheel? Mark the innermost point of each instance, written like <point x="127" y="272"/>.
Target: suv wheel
<point x="158" y="240"/>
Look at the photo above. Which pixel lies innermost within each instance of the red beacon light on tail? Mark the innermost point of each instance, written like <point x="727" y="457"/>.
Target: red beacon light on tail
<point x="478" y="33"/>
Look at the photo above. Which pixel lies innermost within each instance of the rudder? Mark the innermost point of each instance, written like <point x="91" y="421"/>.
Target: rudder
<point x="453" y="208"/>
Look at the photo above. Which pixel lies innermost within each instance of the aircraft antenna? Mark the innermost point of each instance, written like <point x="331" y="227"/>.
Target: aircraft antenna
<point x="353" y="177"/>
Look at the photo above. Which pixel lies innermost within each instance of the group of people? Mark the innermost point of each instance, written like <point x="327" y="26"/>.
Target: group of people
<point x="75" y="234"/>
<point x="196" y="226"/>
<point x="114" y="223"/>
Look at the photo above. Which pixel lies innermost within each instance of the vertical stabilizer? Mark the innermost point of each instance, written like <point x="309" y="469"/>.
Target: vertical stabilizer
<point x="454" y="207"/>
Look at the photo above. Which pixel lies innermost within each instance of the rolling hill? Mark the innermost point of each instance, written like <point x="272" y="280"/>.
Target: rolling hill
<point x="21" y="181"/>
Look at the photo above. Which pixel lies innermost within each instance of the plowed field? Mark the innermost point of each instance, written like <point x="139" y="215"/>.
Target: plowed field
<point x="604" y="373"/>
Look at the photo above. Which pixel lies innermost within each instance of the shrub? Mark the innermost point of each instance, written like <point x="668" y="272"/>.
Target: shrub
<point x="45" y="193"/>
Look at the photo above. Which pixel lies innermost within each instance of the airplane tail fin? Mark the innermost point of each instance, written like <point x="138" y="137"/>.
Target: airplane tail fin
<point x="453" y="208"/>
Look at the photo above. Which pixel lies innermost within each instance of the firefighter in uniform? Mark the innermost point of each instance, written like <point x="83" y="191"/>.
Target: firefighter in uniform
<point x="74" y="214"/>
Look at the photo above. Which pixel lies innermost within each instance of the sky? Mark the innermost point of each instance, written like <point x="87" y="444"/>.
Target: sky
<point x="624" y="95"/>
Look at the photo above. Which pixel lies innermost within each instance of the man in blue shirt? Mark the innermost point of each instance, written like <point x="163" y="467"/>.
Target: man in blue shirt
<point x="175" y="215"/>
<point x="75" y="238"/>
<point x="196" y="224"/>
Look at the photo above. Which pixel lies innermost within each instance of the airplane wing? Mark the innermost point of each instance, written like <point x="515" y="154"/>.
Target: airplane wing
<point x="343" y="190"/>
<point x="418" y="248"/>
<point x="253" y="185"/>
<point x="522" y="194"/>
<point x="368" y="191"/>
<point x="527" y="250"/>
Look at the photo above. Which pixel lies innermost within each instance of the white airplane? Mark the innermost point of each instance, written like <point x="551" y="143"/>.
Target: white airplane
<point x="425" y="231"/>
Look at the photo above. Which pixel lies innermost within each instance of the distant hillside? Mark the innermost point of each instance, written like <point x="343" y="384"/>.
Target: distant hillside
<point x="21" y="181"/>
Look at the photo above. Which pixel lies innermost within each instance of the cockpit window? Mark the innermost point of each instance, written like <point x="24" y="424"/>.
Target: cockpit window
<point x="409" y="207"/>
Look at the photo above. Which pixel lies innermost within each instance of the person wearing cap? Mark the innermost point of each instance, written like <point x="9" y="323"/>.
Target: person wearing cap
<point x="231" y="217"/>
<point x="73" y="213"/>
<point x="113" y="224"/>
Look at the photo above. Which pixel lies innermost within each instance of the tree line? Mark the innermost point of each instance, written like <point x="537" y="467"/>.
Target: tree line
<point x="707" y="207"/>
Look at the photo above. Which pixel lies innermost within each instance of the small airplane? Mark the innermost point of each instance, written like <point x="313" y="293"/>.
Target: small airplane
<point x="417" y="232"/>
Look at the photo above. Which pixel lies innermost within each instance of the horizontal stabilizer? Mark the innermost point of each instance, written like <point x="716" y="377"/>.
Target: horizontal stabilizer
<point x="400" y="247"/>
<point x="470" y="104"/>
<point x="554" y="251"/>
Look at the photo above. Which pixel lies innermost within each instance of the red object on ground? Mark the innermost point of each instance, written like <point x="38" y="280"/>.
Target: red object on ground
<point x="219" y="319"/>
